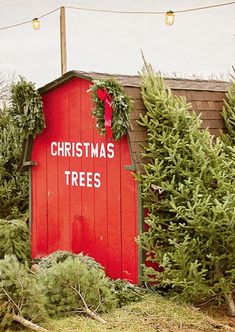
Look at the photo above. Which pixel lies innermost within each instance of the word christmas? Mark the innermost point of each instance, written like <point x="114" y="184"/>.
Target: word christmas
<point x="85" y="149"/>
<point x="82" y="150"/>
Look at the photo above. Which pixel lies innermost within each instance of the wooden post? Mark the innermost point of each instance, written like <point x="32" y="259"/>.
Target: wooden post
<point x="63" y="49"/>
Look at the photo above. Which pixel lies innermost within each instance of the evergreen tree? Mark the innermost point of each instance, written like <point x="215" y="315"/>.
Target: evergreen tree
<point x="60" y="256"/>
<point x="21" y="299"/>
<point x="188" y="187"/>
<point x="229" y="112"/>
<point x="14" y="239"/>
<point x="76" y="285"/>
<point x="13" y="183"/>
<point x="120" y="291"/>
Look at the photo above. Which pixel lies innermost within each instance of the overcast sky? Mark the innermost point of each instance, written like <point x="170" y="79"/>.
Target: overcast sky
<point x="200" y="43"/>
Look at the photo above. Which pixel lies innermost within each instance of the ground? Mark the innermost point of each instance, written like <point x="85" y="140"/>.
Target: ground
<point x="153" y="314"/>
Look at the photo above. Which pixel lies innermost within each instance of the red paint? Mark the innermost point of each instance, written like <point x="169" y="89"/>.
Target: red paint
<point x="93" y="207"/>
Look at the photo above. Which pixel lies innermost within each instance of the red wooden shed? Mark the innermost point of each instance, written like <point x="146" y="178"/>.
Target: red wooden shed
<point x="84" y="197"/>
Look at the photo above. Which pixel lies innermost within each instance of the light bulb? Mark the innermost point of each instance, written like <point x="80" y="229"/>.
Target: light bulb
<point x="36" y="23"/>
<point x="169" y="17"/>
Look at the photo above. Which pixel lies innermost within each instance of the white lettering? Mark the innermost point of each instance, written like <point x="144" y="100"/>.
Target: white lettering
<point x="94" y="150"/>
<point x="79" y="150"/>
<point x="110" y="148"/>
<point x="73" y="149"/>
<point x="74" y="178"/>
<point x="89" y="179"/>
<point x="53" y="153"/>
<point x="86" y="148"/>
<point x="60" y="149"/>
<point x="67" y="148"/>
<point x="67" y="173"/>
<point x="102" y="151"/>
<point x="97" y="182"/>
<point x="82" y="179"/>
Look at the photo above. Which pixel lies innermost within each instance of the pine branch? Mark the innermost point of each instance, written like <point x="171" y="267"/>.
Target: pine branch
<point x="11" y="300"/>
<point x="100" y="302"/>
<point x="86" y="309"/>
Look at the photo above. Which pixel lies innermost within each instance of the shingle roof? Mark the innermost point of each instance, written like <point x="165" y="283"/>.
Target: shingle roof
<point x="134" y="81"/>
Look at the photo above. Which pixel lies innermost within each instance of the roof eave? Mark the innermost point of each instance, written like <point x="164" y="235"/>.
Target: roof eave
<point x="61" y="80"/>
<point x="134" y="81"/>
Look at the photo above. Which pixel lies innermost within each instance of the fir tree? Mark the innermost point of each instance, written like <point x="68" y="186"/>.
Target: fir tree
<point x="14" y="239"/>
<point x="188" y="187"/>
<point x="21" y="299"/>
<point x="75" y="285"/>
<point x="13" y="183"/>
<point x="121" y="291"/>
<point x="60" y="256"/>
<point x="229" y="112"/>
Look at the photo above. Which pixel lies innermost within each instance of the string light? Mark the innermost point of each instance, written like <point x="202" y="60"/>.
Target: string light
<point x="36" y="23"/>
<point x="29" y="21"/>
<point x="151" y="12"/>
<point x="169" y="17"/>
<point x="125" y="12"/>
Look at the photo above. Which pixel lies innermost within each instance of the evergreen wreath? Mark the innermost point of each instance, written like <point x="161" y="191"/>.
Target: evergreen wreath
<point x="26" y="108"/>
<point x="121" y="106"/>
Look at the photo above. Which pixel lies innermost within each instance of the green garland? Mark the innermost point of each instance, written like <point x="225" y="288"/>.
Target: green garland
<point x="26" y="108"/>
<point x="121" y="105"/>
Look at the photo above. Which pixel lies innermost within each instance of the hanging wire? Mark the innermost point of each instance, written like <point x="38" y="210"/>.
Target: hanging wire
<point x="116" y="11"/>
<point x="49" y="13"/>
<point x="121" y="12"/>
<point x="15" y="25"/>
<point x="29" y="21"/>
<point x="151" y="12"/>
<point x="205" y="7"/>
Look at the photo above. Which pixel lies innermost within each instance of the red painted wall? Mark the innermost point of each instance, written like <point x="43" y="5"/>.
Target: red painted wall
<point x="82" y="197"/>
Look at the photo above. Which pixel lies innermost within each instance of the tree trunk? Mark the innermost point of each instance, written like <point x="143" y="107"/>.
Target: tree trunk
<point x="94" y="316"/>
<point x="231" y="304"/>
<point x="228" y="298"/>
<point x="28" y="324"/>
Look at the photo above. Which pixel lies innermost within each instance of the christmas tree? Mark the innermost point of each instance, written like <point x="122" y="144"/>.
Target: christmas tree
<point x="21" y="299"/>
<point x="229" y="112"/>
<point x="188" y="188"/>
<point x="13" y="183"/>
<point x="14" y="239"/>
<point x="76" y="284"/>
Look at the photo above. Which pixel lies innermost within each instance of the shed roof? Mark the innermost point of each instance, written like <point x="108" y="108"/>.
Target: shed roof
<point x="134" y="81"/>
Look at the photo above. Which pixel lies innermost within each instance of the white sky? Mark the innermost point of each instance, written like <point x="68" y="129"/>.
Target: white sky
<point x="200" y="43"/>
